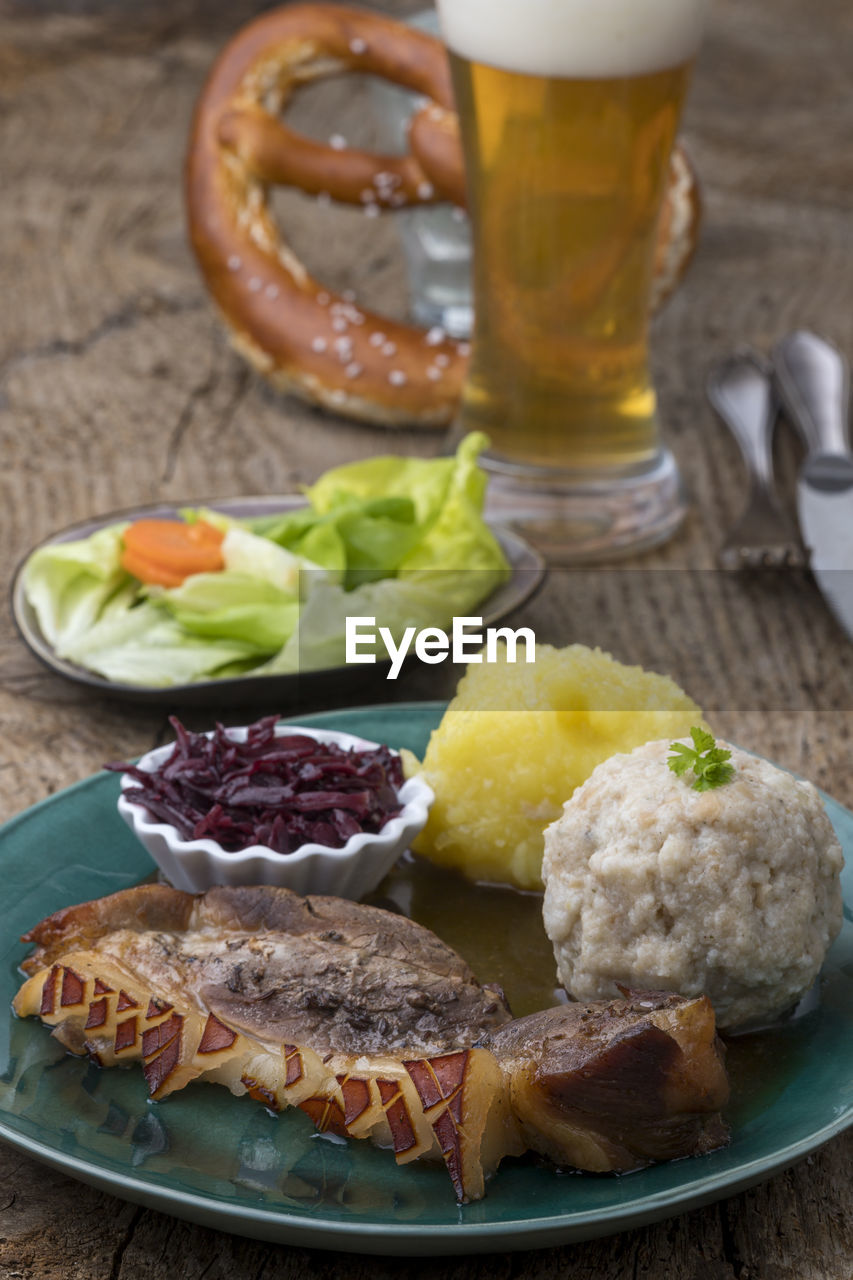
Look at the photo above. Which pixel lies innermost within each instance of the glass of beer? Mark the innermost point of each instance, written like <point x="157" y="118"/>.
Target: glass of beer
<point x="568" y="112"/>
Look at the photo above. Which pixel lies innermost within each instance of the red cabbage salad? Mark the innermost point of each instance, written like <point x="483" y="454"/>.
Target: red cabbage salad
<point x="399" y="539"/>
<point x="277" y="790"/>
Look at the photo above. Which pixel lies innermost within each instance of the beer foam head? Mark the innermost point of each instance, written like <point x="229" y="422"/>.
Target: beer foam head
<point x="574" y="38"/>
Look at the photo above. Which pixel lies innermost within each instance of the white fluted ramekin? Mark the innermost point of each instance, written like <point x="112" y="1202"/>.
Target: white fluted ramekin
<point x="349" y="872"/>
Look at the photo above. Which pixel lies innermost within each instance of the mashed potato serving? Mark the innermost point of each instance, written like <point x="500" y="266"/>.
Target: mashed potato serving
<point x="516" y="741"/>
<point x="734" y="892"/>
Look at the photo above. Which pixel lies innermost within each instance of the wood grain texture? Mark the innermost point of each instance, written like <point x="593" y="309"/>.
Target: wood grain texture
<point x="117" y="387"/>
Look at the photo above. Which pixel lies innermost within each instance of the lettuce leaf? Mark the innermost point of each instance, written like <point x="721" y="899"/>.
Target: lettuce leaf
<point x="383" y="516"/>
<point x="142" y="645"/>
<point x="234" y="607"/>
<point x="70" y="584"/>
<point x="420" y="598"/>
<point x="359" y="539"/>
<point x="245" y="552"/>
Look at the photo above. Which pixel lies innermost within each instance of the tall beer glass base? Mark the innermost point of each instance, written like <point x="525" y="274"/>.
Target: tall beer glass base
<point x="582" y="518"/>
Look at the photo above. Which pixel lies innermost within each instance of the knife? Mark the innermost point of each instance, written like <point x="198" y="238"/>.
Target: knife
<point x="813" y="380"/>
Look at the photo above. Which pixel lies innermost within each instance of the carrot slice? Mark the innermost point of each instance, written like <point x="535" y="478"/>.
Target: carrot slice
<point x="150" y="572"/>
<point x="168" y="551"/>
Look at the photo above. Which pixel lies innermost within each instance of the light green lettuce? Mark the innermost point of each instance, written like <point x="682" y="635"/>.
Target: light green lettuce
<point x="70" y="584"/>
<point x="143" y="645"/>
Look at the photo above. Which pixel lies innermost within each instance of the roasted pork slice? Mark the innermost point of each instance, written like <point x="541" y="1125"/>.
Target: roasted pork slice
<point x="374" y="1028"/>
<point x="326" y="972"/>
<point x="616" y="1084"/>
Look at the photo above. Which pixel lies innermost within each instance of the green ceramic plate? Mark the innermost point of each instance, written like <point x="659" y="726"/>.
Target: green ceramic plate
<point x="226" y="1162"/>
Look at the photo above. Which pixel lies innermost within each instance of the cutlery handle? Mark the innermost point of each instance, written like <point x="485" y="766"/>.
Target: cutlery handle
<point x="813" y="379"/>
<point x="741" y="390"/>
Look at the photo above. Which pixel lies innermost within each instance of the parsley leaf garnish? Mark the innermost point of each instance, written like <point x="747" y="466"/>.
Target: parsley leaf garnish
<point x="707" y="761"/>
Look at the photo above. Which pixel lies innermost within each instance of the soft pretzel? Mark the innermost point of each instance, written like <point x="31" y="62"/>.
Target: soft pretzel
<point x="302" y="336"/>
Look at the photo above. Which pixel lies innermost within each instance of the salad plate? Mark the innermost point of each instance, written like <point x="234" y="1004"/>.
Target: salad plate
<point x="282" y="690"/>
<point x="228" y="1163"/>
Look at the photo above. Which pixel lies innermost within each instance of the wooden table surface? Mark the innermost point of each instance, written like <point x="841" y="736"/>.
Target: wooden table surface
<point x="118" y="387"/>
